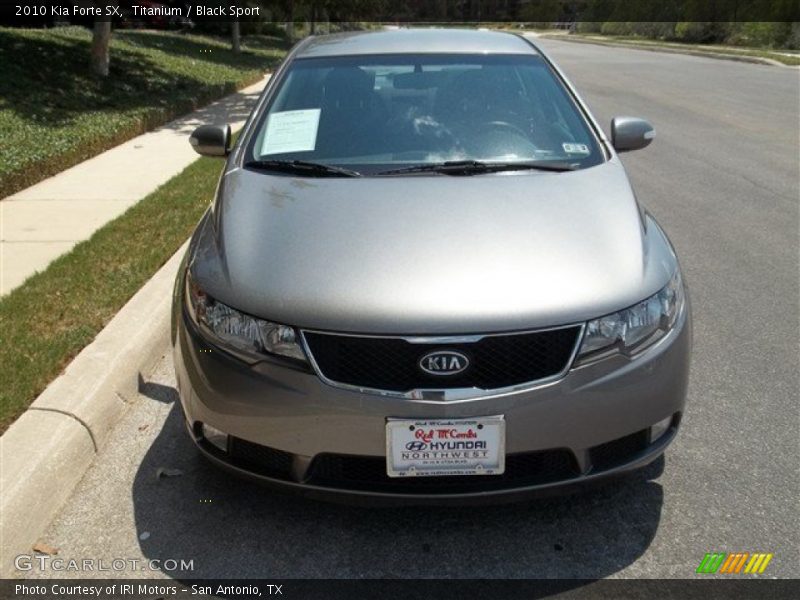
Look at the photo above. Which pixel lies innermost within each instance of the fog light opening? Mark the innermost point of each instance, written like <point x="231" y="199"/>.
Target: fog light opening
<point x="659" y="429"/>
<point x="215" y="437"/>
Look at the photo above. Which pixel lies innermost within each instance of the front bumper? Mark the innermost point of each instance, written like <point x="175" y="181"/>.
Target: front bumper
<point x="292" y="430"/>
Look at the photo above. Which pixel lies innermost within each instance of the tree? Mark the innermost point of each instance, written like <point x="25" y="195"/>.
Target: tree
<point x="236" y="37"/>
<point x="290" y="21"/>
<point x="99" y="56"/>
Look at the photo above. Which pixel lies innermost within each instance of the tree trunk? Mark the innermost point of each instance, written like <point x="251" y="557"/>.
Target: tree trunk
<point x="236" y="40"/>
<point x="290" y="24"/>
<point x="99" y="54"/>
<point x="236" y="37"/>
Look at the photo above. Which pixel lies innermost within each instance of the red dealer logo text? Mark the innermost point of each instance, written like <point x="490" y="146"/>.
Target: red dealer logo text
<point x="444" y="434"/>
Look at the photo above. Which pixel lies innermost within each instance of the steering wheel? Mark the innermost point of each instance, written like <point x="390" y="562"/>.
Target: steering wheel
<point x="496" y="125"/>
<point x="499" y="137"/>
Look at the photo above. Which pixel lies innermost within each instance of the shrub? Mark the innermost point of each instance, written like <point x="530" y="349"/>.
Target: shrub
<point x="589" y="27"/>
<point x="616" y="28"/>
<point x="653" y="30"/>
<point x="760" y="34"/>
<point x="696" y="32"/>
<point x="793" y="41"/>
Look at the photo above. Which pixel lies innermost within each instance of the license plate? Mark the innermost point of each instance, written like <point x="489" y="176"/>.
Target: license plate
<point x="445" y="447"/>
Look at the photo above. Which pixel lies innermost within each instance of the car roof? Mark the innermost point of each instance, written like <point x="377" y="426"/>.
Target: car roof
<point x="416" y="41"/>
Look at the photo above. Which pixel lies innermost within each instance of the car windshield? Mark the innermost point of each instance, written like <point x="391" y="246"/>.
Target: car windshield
<point x="374" y="114"/>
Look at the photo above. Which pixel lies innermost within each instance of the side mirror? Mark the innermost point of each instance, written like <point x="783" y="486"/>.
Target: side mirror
<point x="211" y="140"/>
<point x="630" y="133"/>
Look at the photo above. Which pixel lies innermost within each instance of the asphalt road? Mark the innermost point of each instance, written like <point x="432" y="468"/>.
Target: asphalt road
<point x="722" y="178"/>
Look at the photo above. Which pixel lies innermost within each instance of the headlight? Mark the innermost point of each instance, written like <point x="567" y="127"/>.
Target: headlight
<point x="632" y="330"/>
<point x="239" y="332"/>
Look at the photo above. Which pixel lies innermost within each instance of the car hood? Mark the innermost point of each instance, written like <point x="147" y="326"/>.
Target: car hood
<point x="430" y="254"/>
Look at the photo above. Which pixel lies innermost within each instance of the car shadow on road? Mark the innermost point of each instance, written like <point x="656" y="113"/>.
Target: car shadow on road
<point x="234" y="528"/>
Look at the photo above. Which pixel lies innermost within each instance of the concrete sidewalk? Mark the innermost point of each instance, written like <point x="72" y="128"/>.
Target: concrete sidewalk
<point x="46" y="220"/>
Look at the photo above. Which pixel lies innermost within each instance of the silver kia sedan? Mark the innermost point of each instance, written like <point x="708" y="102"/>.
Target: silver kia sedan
<point x="425" y="278"/>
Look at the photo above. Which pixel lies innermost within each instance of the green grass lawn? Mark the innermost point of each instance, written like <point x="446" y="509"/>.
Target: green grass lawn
<point x="46" y="321"/>
<point x="54" y="113"/>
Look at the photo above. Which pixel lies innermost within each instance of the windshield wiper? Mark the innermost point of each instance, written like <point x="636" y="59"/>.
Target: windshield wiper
<point x="300" y="166"/>
<point x="476" y="167"/>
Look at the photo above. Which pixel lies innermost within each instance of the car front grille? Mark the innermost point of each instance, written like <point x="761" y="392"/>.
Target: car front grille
<point x="368" y="473"/>
<point x="392" y="363"/>
<point x="260" y="459"/>
<point x="618" y="452"/>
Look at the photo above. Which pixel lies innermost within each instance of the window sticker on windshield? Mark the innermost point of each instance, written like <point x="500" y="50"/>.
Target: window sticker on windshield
<point x="576" y="148"/>
<point x="291" y="131"/>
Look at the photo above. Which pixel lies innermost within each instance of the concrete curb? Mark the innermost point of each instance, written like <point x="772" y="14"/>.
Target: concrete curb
<point x="670" y="50"/>
<point x="46" y="452"/>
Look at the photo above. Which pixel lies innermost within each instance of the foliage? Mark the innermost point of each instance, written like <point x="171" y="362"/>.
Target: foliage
<point x="54" y="113"/>
<point x="749" y="34"/>
<point x="761" y="35"/>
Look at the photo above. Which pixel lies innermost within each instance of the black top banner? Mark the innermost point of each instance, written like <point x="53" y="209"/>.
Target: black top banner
<point x="37" y="13"/>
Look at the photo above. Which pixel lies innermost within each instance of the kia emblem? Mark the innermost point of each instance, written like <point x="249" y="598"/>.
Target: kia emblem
<point x="444" y="362"/>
